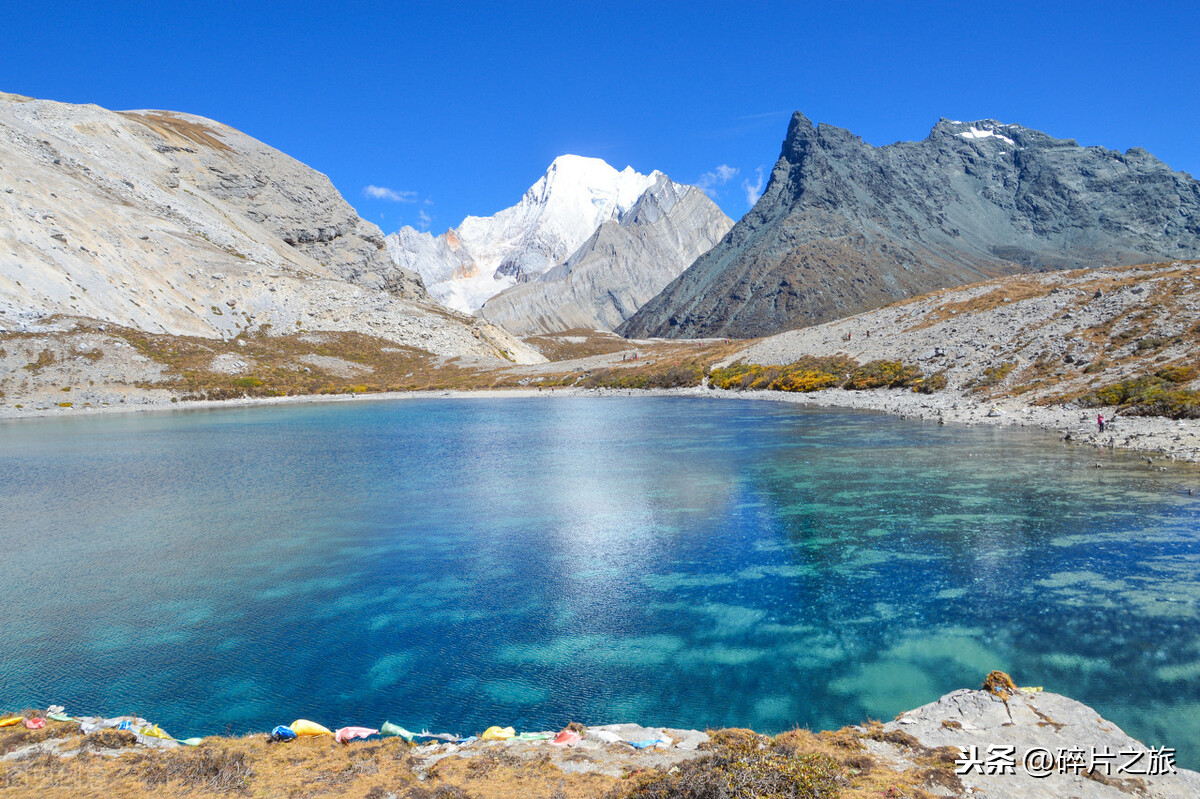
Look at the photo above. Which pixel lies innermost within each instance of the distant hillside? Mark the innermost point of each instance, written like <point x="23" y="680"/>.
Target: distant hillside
<point x="843" y="226"/>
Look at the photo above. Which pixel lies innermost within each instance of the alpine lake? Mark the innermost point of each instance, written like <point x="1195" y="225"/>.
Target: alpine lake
<point x="453" y="564"/>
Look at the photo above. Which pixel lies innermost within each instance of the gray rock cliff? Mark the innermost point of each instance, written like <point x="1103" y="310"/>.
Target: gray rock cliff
<point x="1089" y="757"/>
<point x="843" y="226"/>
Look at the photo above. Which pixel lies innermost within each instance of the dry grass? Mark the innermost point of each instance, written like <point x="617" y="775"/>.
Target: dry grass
<point x="663" y="364"/>
<point x="277" y="367"/>
<point x="44" y="359"/>
<point x="171" y="127"/>
<point x="736" y="763"/>
<point x="283" y="365"/>
<point x="799" y="763"/>
<point x="312" y="767"/>
<point x="1008" y="290"/>
<point x="208" y="768"/>
<point x="13" y="738"/>
<point x="566" y="346"/>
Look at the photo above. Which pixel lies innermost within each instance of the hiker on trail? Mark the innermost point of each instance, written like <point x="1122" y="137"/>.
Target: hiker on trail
<point x="1100" y="421"/>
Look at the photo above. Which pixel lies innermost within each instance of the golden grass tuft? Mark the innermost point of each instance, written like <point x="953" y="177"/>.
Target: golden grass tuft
<point x="999" y="683"/>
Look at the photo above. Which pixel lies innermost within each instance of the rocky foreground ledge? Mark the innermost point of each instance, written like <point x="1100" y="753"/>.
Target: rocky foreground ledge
<point x="1022" y="744"/>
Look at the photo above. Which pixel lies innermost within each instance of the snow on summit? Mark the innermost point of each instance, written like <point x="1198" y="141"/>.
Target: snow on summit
<point x="977" y="133"/>
<point x="983" y="129"/>
<point x="466" y="266"/>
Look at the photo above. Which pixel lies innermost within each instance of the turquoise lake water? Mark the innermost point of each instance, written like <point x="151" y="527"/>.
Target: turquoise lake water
<point x="453" y="564"/>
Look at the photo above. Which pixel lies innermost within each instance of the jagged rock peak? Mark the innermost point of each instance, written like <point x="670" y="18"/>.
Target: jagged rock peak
<point x="843" y="226"/>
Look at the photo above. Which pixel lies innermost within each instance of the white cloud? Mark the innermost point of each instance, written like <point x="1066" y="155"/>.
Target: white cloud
<point x="424" y="219"/>
<point x="718" y="177"/>
<point x="753" y="191"/>
<point x="391" y="195"/>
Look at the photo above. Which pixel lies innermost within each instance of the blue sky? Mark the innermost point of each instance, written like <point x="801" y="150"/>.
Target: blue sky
<point x="456" y="108"/>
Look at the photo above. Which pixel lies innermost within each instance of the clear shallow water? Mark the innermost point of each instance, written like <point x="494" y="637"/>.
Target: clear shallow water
<point x="455" y="564"/>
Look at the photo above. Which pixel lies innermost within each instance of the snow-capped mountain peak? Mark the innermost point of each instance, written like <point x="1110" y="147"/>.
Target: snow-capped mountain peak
<point x="575" y="176"/>
<point x="485" y="255"/>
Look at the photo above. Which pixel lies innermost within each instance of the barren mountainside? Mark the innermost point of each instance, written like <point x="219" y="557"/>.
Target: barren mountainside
<point x="843" y="226"/>
<point x="1046" y="338"/>
<point x="175" y="224"/>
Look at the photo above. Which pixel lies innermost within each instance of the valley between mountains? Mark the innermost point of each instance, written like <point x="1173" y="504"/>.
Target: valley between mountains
<point x="988" y="273"/>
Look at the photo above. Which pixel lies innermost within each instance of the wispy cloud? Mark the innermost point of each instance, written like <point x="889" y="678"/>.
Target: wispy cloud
<point x="718" y="177"/>
<point x="753" y="190"/>
<point x="767" y="115"/>
<point x="391" y="195"/>
<point x="423" y="219"/>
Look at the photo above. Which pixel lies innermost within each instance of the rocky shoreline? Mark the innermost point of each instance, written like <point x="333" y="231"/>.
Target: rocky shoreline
<point x="1174" y="439"/>
<point x="1000" y="743"/>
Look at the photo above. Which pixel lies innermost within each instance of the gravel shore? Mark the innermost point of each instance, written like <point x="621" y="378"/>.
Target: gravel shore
<point x="1171" y="438"/>
<point x="1177" y="439"/>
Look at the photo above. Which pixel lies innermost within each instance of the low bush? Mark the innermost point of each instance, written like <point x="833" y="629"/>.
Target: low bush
<point x="814" y="374"/>
<point x="992" y="375"/>
<point x="1149" y="343"/>
<point x="744" y="765"/>
<point x="882" y="374"/>
<point x="933" y="383"/>
<point x="1158" y="394"/>
<point x="109" y="739"/>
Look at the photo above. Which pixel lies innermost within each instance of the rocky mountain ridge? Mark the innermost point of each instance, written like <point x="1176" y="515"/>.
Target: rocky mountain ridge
<point x="624" y="263"/>
<point x="173" y="223"/>
<point x="843" y="226"/>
